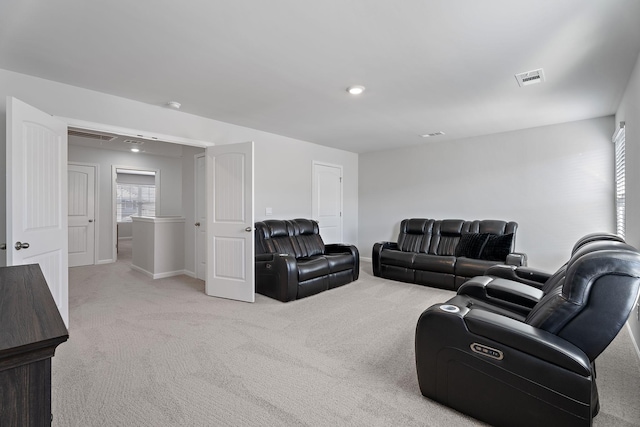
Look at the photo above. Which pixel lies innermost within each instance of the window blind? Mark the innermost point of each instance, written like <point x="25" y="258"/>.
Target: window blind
<point x="135" y="199"/>
<point x="619" y="139"/>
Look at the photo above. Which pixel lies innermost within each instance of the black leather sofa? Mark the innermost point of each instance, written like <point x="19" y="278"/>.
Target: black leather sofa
<point x="445" y="253"/>
<point x="538" y="369"/>
<point x="292" y="261"/>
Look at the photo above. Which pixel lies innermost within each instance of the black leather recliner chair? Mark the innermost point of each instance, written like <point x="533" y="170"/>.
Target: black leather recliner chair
<point x="519" y="289"/>
<point x="539" y="370"/>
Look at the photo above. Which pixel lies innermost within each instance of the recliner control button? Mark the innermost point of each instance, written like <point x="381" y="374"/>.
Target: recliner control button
<point x="486" y="351"/>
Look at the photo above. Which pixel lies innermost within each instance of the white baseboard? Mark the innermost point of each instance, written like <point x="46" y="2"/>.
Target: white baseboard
<point x="189" y="273"/>
<point x="105" y="261"/>
<point x="125" y="238"/>
<point x="633" y="340"/>
<point x="364" y="258"/>
<point x="168" y="274"/>
<point x="141" y="270"/>
<point x="158" y="275"/>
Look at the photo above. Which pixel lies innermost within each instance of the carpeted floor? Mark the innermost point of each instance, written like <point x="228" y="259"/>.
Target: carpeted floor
<point x="155" y="353"/>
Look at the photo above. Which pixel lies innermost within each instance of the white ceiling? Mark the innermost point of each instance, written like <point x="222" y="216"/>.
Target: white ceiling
<point x="282" y="66"/>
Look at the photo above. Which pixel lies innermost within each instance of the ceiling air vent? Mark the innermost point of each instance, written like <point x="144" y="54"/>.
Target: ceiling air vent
<point x="91" y="135"/>
<point x="133" y="142"/>
<point x="530" y="77"/>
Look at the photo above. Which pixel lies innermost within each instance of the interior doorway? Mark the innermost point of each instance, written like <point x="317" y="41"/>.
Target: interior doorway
<point x="326" y="205"/>
<point x="201" y="217"/>
<point x="82" y="213"/>
<point x="135" y="193"/>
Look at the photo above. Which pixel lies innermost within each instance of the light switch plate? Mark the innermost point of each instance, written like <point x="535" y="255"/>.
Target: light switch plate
<point x="268" y="211"/>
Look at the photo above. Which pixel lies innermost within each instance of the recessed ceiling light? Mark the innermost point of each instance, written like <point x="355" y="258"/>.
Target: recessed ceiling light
<point x="429" y="135"/>
<point x="135" y="150"/>
<point x="355" y="90"/>
<point x="174" y="104"/>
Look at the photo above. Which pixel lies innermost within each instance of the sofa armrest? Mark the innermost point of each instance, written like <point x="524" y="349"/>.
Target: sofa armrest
<point x="276" y="276"/>
<point x="502" y="292"/>
<point x="516" y="258"/>
<point x="515" y="292"/>
<point x="337" y="248"/>
<point x="527" y="339"/>
<point x="386" y="245"/>
<point x="377" y="252"/>
<point x="526" y="275"/>
<point x="264" y="257"/>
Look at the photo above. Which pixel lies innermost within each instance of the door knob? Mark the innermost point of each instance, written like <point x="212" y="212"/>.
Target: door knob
<point x="248" y="229"/>
<point x="90" y="220"/>
<point x="3" y="246"/>
<point x="197" y="224"/>
<point x="20" y="245"/>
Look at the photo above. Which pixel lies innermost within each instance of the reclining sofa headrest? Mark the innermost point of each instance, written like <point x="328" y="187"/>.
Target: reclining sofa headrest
<point x="304" y="227"/>
<point x="596" y="237"/>
<point x="275" y="228"/>
<point x="450" y="227"/>
<point x="299" y="237"/>
<point x="416" y="226"/>
<point x="490" y="226"/>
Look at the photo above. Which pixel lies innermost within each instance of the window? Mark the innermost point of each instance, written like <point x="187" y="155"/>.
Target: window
<point x="618" y="140"/>
<point x="135" y="199"/>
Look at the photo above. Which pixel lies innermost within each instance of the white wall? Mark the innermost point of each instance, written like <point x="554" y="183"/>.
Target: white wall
<point x="294" y="201"/>
<point x="555" y="181"/>
<point x="629" y="112"/>
<point x="125" y="230"/>
<point x="170" y="200"/>
<point x="282" y="164"/>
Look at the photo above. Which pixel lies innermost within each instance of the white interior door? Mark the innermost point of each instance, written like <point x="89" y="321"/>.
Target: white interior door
<point x="201" y="218"/>
<point x="81" y="214"/>
<point x="37" y="196"/>
<point x="326" y="206"/>
<point x="230" y="237"/>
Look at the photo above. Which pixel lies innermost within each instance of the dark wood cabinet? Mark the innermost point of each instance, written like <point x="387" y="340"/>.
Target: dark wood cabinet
<point x="30" y="330"/>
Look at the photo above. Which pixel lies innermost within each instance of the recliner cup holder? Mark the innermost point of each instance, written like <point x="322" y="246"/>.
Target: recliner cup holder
<point x="449" y="308"/>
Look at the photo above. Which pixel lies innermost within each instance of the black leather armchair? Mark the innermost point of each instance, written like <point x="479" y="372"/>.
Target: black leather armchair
<point x="520" y="288"/>
<point x="292" y="261"/>
<point x="538" y="370"/>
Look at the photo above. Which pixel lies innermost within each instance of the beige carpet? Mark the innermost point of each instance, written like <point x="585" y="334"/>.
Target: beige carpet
<point x="161" y="353"/>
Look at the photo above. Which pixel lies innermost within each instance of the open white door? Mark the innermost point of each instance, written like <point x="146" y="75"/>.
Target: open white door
<point x="37" y="196"/>
<point x="230" y="238"/>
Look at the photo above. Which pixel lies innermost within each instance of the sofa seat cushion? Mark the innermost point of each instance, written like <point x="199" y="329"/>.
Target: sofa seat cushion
<point x="340" y="262"/>
<point x="397" y="258"/>
<point x="435" y="263"/>
<point x="312" y="267"/>
<point x="312" y="286"/>
<point x="470" y="267"/>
